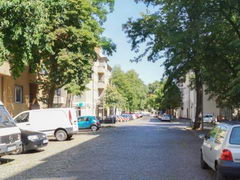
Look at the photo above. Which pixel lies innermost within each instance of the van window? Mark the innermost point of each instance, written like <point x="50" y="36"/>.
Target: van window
<point x="5" y="118"/>
<point x="235" y="136"/>
<point x="22" y="118"/>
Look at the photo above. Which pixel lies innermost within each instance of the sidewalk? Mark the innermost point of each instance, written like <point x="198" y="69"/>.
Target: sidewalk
<point x="207" y="127"/>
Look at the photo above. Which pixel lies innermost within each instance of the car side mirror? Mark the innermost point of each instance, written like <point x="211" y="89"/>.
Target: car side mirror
<point x="201" y="136"/>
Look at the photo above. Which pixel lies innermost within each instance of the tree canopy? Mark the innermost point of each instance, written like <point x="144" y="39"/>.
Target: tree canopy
<point x="163" y="96"/>
<point x="201" y="37"/>
<point x="54" y="38"/>
<point x="131" y="87"/>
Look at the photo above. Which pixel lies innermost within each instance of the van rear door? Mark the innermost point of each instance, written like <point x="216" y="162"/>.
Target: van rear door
<point x="73" y="119"/>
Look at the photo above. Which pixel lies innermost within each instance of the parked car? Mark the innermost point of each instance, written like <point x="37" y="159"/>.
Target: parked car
<point x="32" y="140"/>
<point x="166" y="117"/>
<point x="121" y="118"/>
<point x="221" y="150"/>
<point x="130" y="116"/>
<point x="10" y="137"/>
<point x="88" y="122"/>
<point x="127" y="116"/>
<point x="110" y="119"/>
<point x="58" y="122"/>
<point x="209" y="118"/>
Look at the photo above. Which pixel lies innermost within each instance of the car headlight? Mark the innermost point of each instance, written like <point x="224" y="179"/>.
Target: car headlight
<point x="19" y="137"/>
<point x="33" y="138"/>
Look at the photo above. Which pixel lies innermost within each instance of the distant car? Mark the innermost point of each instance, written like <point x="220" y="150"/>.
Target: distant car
<point x="88" y="122"/>
<point x="166" y="117"/>
<point x="209" y="118"/>
<point x="127" y="116"/>
<point x="32" y="140"/>
<point x="221" y="150"/>
<point x="120" y="118"/>
<point x="110" y="119"/>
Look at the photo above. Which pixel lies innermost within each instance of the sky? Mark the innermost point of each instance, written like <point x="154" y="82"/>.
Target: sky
<point x="124" y="9"/>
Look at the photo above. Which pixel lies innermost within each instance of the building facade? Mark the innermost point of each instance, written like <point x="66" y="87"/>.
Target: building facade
<point x="17" y="94"/>
<point x="91" y="101"/>
<point x="189" y="100"/>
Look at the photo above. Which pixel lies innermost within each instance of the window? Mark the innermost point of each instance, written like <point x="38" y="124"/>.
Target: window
<point x="212" y="134"/>
<point x="22" y="118"/>
<point x="235" y="136"/>
<point x="5" y="119"/>
<point x="58" y="92"/>
<point x="222" y="131"/>
<point x="18" y="94"/>
<point x="83" y="119"/>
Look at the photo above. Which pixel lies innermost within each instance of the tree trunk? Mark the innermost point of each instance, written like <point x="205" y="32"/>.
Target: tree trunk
<point x="51" y="94"/>
<point x="199" y="97"/>
<point x="69" y="100"/>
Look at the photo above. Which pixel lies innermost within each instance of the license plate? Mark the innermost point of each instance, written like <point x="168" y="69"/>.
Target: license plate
<point x="11" y="148"/>
<point x="45" y="141"/>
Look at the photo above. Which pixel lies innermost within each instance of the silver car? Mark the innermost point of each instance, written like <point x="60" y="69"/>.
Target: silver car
<point x="221" y="150"/>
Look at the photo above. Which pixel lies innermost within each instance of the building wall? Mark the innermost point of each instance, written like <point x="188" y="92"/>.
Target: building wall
<point x="188" y="109"/>
<point x="7" y="90"/>
<point x="95" y="89"/>
<point x="210" y="106"/>
<point x="91" y="97"/>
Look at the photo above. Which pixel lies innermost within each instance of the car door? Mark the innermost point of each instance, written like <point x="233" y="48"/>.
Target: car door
<point x="83" y="122"/>
<point x="208" y="146"/>
<point x="22" y="121"/>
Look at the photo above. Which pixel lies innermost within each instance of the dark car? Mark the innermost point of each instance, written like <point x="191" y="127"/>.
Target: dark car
<point x="32" y="140"/>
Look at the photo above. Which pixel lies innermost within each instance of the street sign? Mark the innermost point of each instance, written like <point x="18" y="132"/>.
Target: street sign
<point x="81" y="104"/>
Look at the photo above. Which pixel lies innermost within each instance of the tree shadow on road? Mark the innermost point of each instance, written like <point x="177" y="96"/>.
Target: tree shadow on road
<point x="126" y="152"/>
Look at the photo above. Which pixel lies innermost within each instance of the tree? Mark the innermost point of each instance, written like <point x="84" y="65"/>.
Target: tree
<point x="61" y="44"/>
<point x="175" y="30"/>
<point x="131" y="87"/>
<point x="164" y="95"/>
<point x="113" y="99"/>
<point x="172" y="97"/>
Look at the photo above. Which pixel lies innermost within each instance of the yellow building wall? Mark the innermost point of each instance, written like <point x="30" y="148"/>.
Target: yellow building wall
<point x="8" y="92"/>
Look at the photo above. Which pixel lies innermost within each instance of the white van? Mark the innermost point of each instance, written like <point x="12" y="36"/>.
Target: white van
<point x="58" y="122"/>
<point x="10" y="135"/>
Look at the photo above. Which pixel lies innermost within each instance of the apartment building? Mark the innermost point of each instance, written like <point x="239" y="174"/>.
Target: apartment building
<point x="17" y="94"/>
<point x="92" y="98"/>
<point x="188" y="108"/>
<point x="91" y="101"/>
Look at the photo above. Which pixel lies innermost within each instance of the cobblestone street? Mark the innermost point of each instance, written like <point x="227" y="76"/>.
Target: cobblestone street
<point x="139" y="149"/>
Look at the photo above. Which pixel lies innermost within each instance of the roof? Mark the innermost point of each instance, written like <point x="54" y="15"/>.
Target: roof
<point x="104" y="59"/>
<point x="235" y="122"/>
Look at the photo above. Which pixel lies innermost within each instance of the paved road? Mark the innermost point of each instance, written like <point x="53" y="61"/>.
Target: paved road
<point x="140" y="149"/>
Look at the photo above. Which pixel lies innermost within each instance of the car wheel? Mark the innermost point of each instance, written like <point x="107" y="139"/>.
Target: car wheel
<point x="218" y="175"/>
<point x="203" y="163"/>
<point x="61" y="135"/>
<point x="94" y="128"/>
<point x="69" y="137"/>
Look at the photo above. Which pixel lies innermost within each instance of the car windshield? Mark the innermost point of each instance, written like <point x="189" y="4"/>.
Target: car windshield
<point x="5" y="118"/>
<point x="235" y="136"/>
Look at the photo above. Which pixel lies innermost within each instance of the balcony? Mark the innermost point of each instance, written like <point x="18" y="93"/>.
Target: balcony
<point x="101" y="84"/>
<point x="101" y="69"/>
